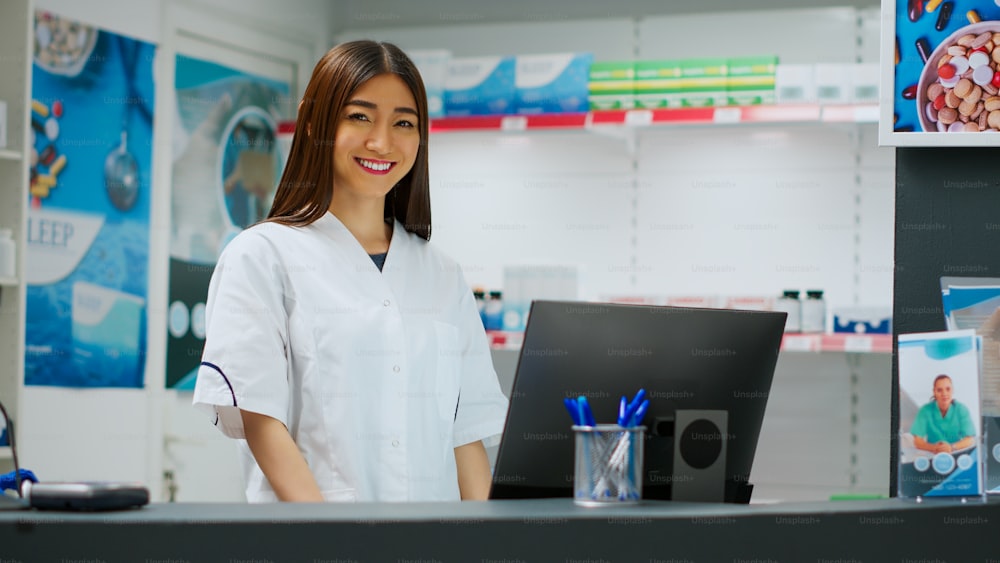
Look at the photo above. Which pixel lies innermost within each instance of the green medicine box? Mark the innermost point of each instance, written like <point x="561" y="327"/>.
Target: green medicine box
<point x="611" y="85"/>
<point x="703" y="82"/>
<point x="750" y="80"/>
<point x="657" y="84"/>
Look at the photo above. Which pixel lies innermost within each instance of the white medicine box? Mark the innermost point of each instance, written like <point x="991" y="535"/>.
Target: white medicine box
<point x="864" y="83"/>
<point x="833" y="83"/>
<point x="794" y="84"/>
<point x="433" y="67"/>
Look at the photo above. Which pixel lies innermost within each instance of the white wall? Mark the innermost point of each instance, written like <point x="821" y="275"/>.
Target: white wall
<point x="608" y="39"/>
<point x="127" y="434"/>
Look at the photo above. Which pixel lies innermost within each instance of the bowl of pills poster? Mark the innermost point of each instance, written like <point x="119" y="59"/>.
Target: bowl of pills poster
<point x="945" y="79"/>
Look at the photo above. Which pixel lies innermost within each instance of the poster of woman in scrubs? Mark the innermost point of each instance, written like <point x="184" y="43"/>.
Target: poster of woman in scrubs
<point x="88" y="222"/>
<point x="226" y="165"/>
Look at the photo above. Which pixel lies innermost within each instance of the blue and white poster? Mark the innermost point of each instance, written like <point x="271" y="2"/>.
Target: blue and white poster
<point x="939" y="414"/>
<point x="88" y="223"/>
<point x="226" y="167"/>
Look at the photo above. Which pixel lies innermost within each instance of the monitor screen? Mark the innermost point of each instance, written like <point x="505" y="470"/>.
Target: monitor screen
<point x="687" y="360"/>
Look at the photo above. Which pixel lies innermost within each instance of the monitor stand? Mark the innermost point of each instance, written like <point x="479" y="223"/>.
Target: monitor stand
<point x="701" y="438"/>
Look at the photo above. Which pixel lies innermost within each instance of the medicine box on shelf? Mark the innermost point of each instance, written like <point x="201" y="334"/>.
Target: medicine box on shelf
<point x="833" y="83"/>
<point x="862" y="320"/>
<point x="750" y="80"/>
<point x="611" y="85"/>
<point x="703" y="82"/>
<point x="795" y="83"/>
<point x="479" y="86"/>
<point x="551" y="83"/>
<point x="864" y="83"/>
<point x="433" y="67"/>
<point x="681" y="83"/>
<point x="657" y="84"/>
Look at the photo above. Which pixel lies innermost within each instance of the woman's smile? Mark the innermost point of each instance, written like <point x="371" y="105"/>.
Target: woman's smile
<point x="377" y="167"/>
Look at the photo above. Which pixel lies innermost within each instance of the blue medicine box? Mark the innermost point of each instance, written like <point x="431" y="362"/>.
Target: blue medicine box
<point x="552" y="83"/>
<point x="479" y="86"/>
<point x="863" y="320"/>
<point x="433" y="67"/>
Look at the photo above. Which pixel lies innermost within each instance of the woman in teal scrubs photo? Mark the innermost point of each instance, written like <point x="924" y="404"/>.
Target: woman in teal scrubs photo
<point x="943" y="424"/>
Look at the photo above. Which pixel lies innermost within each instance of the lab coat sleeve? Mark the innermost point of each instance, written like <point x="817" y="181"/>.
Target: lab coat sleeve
<point x="244" y="362"/>
<point x="482" y="406"/>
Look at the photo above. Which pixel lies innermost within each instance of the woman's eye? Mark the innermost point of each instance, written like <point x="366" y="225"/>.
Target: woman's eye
<point x="357" y="117"/>
<point x="405" y="123"/>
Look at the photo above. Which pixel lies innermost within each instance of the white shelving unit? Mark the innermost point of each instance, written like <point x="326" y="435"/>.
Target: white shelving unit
<point x="15" y="67"/>
<point x="633" y="199"/>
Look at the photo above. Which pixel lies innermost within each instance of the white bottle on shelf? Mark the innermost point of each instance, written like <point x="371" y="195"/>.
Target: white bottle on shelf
<point x="814" y="312"/>
<point x="480" y="296"/>
<point x="7" y="255"/>
<point x="789" y="303"/>
<point x="494" y="310"/>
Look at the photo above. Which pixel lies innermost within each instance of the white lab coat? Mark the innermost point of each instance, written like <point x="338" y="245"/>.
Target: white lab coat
<point x="378" y="376"/>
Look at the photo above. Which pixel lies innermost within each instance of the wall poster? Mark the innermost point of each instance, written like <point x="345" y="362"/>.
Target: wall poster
<point x="226" y="165"/>
<point x="88" y="222"/>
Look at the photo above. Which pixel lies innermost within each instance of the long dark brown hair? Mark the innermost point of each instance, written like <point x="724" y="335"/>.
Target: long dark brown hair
<point x="306" y="187"/>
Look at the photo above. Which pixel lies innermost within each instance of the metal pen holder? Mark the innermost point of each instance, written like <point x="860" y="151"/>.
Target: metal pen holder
<point x="608" y="464"/>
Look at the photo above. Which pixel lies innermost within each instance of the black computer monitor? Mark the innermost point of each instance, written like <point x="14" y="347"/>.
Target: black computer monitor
<point x="688" y="360"/>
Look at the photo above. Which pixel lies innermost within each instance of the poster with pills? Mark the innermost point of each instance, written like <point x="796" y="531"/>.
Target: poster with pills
<point x="226" y="167"/>
<point x="943" y="88"/>
<point x="88" y="221"/>
<point x="939" y="415"/>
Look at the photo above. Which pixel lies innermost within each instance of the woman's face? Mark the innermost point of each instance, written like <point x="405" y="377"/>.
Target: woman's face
<point x="377" y="139"/>
<point x="942" y="392"/>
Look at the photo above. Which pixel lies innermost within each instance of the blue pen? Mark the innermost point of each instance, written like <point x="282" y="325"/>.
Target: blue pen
<point x="636" y="420"/>
<point x="622" y="411"/>
<point x="630" y="410"/>
<point x="640" y="412"/>
<point x="587" y="415"/>
<point x="574" y="412"/>
<point x="580" y="418"/>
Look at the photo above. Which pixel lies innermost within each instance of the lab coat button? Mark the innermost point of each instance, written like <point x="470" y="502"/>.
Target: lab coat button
<point x="395" y="369"/>
<point x="385" y="303"/>
<point x="395" y="443"/>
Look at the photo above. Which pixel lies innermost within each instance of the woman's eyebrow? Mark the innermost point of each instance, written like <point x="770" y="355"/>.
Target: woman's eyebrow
<point x="371" y="105"/>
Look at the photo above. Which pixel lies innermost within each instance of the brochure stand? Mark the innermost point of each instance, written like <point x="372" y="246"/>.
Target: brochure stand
<point x="974" y="303"/>
<point x="940" y="426"/>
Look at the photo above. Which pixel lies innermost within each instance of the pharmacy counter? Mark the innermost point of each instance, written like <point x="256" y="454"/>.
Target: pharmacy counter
<point x="508" y="532"/>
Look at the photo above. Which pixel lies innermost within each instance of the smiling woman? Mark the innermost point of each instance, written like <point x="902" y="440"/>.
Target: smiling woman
<point x="377" y="141"/>
<point x="337" y="93"/>
<point x="340" y="344"/>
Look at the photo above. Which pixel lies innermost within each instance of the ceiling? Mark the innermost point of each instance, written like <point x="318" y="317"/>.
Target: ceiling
<point x="376" y="14"/>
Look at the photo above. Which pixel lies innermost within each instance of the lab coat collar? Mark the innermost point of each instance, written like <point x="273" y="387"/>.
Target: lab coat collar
<point x="331" y="225"/>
